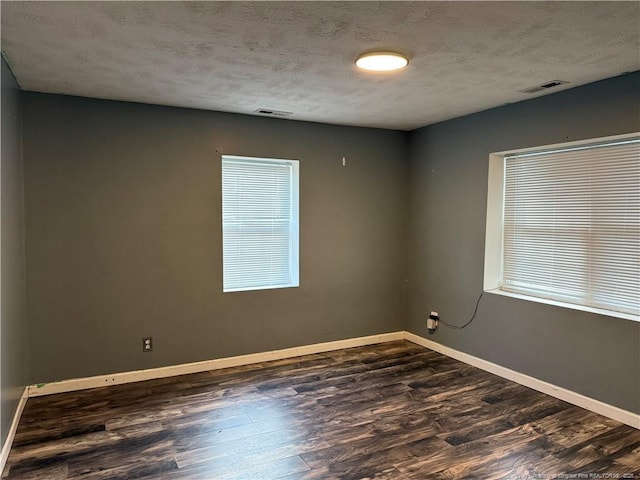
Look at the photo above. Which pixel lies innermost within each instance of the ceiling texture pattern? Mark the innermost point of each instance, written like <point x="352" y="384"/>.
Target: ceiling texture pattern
<point x="299" y="56"/>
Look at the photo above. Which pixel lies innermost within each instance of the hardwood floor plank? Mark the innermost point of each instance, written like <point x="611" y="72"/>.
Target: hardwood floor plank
<point x="55" y="472"/>
<point x="461" y="460"/>
<point x="155" y="466"/>
<point x="367" y="455"/>
<point x="609" y="464"/>
<point x="252" y="449"/>
<point x="365" y="465"/>
<point x="313" y="474"/>
<point x="573" y="425"/>
<point x="392" y="411"/>
<point x="607" y="444"/>
<point x="479" y="430"/>
<point x="45" y="433"/>
<point x="502" y="461"/>
<point x="237" y="469"/>
<point x="77" y="445"/>
<point x="630" y="458"/>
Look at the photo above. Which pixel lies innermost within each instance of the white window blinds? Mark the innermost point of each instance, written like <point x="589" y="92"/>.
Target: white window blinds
<point x="572" y="225"/>
<point x="259" y="223"/>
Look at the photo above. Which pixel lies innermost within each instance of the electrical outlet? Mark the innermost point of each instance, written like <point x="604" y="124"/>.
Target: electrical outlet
<point x="432" y="322"/>
<point x="147" y="344"/>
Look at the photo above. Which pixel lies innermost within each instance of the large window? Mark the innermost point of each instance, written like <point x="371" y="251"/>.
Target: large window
<point x="259" y="223"/>
<point x="563" y="224"/>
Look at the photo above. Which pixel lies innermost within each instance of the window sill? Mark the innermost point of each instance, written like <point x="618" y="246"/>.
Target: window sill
<point x="599" y="311"/>
<point x="267" y="287"/>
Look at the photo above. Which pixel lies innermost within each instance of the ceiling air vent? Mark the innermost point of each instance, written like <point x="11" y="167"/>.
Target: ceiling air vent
<point x="273" y="113"/>
<point x="544" y="86"/>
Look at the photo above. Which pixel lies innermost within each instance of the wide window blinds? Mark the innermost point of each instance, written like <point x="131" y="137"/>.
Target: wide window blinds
<point x="259" y="223"/>
<point x="572" y="225"/>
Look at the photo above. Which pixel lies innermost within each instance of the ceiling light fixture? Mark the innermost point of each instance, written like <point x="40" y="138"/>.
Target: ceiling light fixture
<point x="382" y="61"/>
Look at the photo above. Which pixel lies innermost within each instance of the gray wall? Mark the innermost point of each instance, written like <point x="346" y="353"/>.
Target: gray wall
<point x="595" y="355"/>
<point x="123" y="231"/>
<point x="13" y="327"/>
<point x="124" y="238"/>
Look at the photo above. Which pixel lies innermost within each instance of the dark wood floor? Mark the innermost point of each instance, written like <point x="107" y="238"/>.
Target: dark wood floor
<point x="390" y="411"/>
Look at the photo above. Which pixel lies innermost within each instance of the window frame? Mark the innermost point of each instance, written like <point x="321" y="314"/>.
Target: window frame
<point x="294" y="223"/>
<point x="493" y="258"/>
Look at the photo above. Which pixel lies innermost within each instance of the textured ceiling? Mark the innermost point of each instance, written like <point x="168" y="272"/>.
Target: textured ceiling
<point x="298" y="56"/>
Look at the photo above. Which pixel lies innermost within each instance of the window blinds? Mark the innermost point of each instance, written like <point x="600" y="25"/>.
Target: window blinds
<point x="259" y="224"/>
<point x="572" y="225"/>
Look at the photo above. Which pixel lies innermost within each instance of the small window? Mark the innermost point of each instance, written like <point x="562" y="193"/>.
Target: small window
<point x="563" y="224"/>
<point x="259" y="223"/>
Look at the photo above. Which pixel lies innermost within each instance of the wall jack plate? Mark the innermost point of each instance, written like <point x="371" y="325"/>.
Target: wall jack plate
<point x="147" y="344"/>
<point x="432" y="322"/>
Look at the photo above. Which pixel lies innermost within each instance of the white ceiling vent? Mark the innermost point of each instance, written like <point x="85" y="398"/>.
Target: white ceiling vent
<point x="273" y="113"/>
<point x="544" y="86"/>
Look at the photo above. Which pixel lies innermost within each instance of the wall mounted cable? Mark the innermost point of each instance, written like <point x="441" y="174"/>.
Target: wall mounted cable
<point x="466" y="324"/>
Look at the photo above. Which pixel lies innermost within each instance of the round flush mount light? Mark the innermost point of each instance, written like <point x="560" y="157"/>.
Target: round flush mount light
<point x="382" y="61"/>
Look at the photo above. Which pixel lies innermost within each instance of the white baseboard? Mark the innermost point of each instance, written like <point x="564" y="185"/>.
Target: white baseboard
<point x="624" y="416"/>
<point x="186" y="368"/>
<point x="6" y="447"/>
